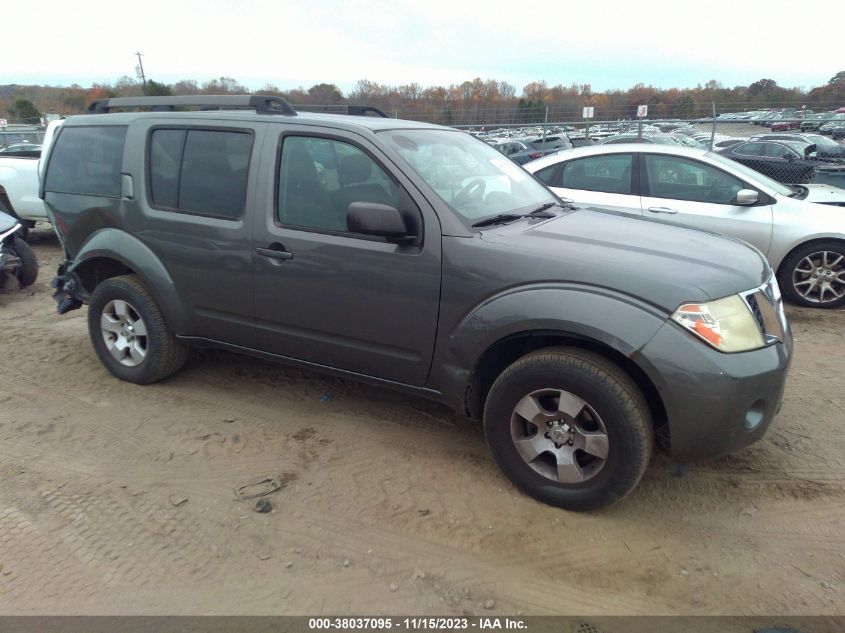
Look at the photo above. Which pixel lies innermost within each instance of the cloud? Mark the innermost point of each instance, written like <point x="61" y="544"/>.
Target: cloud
<point x="611" y="45"/>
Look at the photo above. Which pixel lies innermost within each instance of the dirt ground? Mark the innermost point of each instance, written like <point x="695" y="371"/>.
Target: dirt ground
<point x="119" y="499"/>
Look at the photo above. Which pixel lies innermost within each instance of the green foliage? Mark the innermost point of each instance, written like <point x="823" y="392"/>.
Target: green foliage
<point x="24" y="110"/>
<point x="155" y="89"/>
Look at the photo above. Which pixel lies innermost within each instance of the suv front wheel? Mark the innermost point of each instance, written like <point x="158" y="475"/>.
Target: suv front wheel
<point x="569" y="428"/>
<point x="129" y="334"/>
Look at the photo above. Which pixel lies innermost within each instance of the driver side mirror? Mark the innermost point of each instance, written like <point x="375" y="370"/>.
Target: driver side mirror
<point x="746" y="197"/>
<point x="380" y="220"/>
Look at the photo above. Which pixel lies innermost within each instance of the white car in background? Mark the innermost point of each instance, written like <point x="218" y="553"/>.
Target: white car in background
<point x="800" y="228"/>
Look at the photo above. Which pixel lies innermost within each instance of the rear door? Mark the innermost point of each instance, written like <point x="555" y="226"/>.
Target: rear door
<point x="693" y="193"/>
<point x="196" y="217"/>
<point x="331" y="297"/>
<point x="606" y="180"/>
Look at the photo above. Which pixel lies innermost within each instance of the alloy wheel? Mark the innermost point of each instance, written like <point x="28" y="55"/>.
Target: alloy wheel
<point x="124" y="333"/>
<point x="560" y="436"/>
<point x="820" y="277"/>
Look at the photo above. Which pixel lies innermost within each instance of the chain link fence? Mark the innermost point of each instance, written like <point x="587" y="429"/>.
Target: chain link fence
<point x="790" y="145"/>
<point x="789" y="149"/>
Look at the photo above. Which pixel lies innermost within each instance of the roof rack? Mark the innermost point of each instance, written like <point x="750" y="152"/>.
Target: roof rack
<point x="262" y="104"/>
<point x="355" y="110"/>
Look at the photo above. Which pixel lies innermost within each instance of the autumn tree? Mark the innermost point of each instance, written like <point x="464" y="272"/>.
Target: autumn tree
<point x="224" y="85"/>
<point x="325" y="94"/>
<point x="185" y="87"/>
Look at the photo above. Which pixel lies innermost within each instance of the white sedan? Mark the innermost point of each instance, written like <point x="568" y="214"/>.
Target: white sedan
<point x="800" y="228"/>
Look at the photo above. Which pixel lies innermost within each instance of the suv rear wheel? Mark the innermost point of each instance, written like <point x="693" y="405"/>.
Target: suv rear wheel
<point x="569" y="428"/>
<point x="129" y="334"/>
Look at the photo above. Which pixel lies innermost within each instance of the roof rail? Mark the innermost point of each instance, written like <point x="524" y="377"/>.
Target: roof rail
<point x="262" y="104"/>
<point x="355" y="110"/>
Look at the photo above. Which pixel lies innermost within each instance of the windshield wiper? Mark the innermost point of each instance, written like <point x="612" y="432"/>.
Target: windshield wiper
<point x="540" y="212"/>
<point x="498" y="219"/>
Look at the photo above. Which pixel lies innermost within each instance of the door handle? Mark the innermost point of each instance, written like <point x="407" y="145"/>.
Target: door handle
<point x="662" y="210"/>
<point x="274" y="253"/>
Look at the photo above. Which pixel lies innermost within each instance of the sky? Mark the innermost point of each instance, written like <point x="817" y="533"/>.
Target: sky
<point x="606" y="43"/>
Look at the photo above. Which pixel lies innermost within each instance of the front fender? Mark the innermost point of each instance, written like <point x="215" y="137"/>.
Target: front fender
<point x="618" y="321"/>
<point x="127" y="249"/>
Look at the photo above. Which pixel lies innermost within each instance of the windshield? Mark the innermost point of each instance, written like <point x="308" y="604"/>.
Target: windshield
<point x="16" y="138"/>
<point x="471" y="177"/>
<point x="751" y="175"/>
<point x="822" y="141"/>
<point x="682" y="139"/>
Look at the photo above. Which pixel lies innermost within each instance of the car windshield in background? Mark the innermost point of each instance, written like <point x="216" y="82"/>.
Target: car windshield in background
<point x="822" y="141"/>
<point x="17" y="138"/>
<point x="751" y="175"/>
<point x="469" y="175"/>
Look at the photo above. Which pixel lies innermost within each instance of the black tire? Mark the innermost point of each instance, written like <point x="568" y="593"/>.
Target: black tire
<point x="28" y="272"/>
<point x="607" y="390"/>
<point x="165" y="354"/>
<point x="794" y="284"/>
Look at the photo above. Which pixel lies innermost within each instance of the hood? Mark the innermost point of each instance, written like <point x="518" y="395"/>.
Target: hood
<point x="825" y="194"/>
<point x="657" y="262"/>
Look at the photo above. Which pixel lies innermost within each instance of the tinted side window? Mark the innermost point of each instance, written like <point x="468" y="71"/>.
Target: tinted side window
<point x="203" y="172"/>
<point x="215" y="166"/>
<point x="87" y="161"/>
<point x="319" y="178"/>
<point x="165" y="165"/>
<point x="547" y="176"/>
<point x="750" y="149"/>
<point x="776" y="150"/>
<point x="683" y="179"/>
<point x="609" y="174"/>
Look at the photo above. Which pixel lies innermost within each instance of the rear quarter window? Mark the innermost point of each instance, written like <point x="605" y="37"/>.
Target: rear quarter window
<point x="87" y="161"/>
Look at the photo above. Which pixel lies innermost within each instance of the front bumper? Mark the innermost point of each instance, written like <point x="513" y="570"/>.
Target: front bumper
<point x="716" y="403"/>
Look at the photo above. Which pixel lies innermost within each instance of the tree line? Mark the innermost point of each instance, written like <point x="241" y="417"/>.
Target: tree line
<point x="477" y="101"/>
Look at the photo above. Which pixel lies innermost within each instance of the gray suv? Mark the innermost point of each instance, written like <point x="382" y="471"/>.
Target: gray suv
<point x="416" y="257"/>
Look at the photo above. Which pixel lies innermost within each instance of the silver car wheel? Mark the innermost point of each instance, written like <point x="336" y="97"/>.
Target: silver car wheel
<point x="559" y="436"/>
<point x="820" y="277"/>
<point x="124" y="333"/>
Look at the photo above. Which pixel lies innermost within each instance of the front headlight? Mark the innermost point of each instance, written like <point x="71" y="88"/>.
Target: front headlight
<point x="726" y="324"/>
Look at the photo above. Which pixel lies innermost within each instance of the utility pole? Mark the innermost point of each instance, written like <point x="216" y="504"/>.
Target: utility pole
<point x="141" y="71"/>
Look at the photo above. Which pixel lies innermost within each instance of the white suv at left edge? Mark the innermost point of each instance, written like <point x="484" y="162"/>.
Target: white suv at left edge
<point x="800" y="228"/>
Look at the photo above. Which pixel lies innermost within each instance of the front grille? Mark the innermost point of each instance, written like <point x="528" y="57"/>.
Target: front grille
<point x="755" y="310"/>
<point x="766" y="305"/>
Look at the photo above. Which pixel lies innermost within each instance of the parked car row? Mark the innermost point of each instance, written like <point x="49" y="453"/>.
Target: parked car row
<point x="522" y="151"/>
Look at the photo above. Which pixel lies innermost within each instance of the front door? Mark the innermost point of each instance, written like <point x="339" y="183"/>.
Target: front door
<point x="696" y="194"/>
<point x="335" y="298"/>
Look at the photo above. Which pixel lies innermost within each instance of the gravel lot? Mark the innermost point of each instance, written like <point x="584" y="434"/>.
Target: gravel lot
<point x="121" y="499"/>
